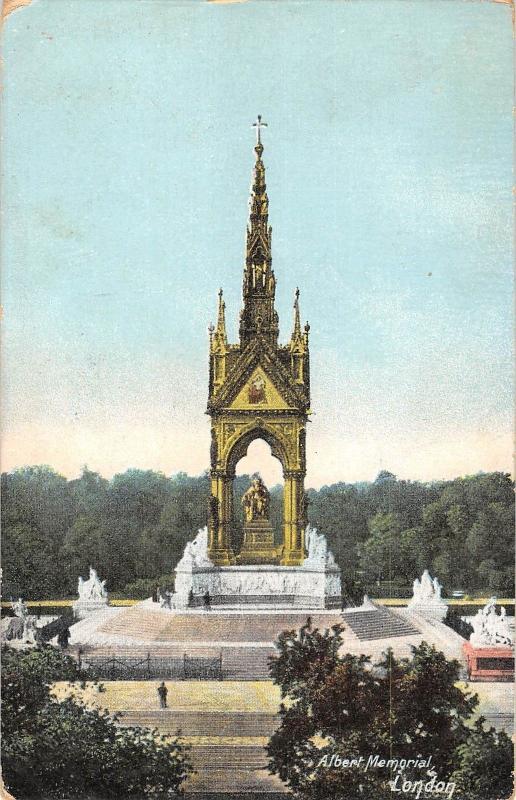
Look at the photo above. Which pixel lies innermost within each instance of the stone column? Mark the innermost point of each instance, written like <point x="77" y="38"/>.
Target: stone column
<point x="293" y="522"/>
<point x="221" y="505"/>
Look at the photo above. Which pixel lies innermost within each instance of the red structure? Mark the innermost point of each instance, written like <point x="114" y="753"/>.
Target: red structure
<point x="489" y="663"/>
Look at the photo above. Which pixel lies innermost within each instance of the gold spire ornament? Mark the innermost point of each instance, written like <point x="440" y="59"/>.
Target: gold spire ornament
<point x="258" y="389"/>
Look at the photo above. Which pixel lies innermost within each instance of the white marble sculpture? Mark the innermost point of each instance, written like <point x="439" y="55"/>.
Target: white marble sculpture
<point x="93" y="588"/>
<point x="426" y="600"/>
<point x="30" y="634"/>
<point x="196" y="552"/>
<point x="29" y="630"/>
<point x="489" y="628"/>
<point x="165" y="600"/>
<point x="20" y="609"/>
<point x="313" y="584"/>
<point x="367" y="604"/>
<point x="93" y="595"/>
<point x="317" y="548"/>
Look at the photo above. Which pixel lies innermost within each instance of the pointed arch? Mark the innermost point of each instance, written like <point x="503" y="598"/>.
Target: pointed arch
<point x="242" y="440"/>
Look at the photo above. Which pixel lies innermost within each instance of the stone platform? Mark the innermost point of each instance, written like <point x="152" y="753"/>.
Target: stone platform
<point x="228" y="722"/>
<point x="258" y="546"/>
<point x="85" y="608"/>
<point x="244" y="638"/>
<point x="261" y="586"/>
<point x="147" y="624"/>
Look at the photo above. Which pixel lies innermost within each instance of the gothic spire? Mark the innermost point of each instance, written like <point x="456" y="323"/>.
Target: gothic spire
<point x="221" y="318"/>
<point x="258" y="315"/>
<point x="296" y="334"/>
<point x="258" y="229"/>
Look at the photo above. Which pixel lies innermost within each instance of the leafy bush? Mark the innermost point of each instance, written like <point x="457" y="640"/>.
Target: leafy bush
<point x="341" y="707"/>
<point x="62" y="749"/>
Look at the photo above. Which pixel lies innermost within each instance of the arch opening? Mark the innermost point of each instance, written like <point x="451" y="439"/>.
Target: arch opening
<point x="258" y="461"/>
<point x="254" y="525"/>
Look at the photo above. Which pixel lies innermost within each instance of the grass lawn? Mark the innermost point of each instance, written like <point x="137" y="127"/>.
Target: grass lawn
<point x="251" y="696"/>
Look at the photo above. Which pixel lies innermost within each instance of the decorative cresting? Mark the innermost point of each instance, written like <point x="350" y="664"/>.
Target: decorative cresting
<point x="258" y="390"/>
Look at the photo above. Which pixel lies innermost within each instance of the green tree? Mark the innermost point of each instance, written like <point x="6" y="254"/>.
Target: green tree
<point x="90" y="492"/>
<point x="390" y="553"/>
<point x="482" y="772"/>
<point x="136" y="526"/>
<point x="57" y="749"/>
<point x="341" y="511"/>
<point x="490" y="544"/>
<point x="82" y="548"/>
<point x="27" y="560"/>
<point x="138" y="496"/>
<point x="37" y="509"/>
<point x="337" y="705"/>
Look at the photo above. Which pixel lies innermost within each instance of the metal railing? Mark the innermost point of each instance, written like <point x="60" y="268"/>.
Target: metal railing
<point x="164" y="667"/>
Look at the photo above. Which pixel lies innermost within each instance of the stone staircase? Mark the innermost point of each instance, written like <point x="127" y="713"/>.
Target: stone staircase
<point x="202" y="723"/>
<point x="380" y="623"/>
<point x="246" y="663"/>
<point x="241" y="767"/>
<point x="229" y="757"/>
<point x="139" y="623"/>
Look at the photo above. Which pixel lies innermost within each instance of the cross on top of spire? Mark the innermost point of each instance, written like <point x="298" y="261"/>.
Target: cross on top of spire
<point x="259" y="125"/>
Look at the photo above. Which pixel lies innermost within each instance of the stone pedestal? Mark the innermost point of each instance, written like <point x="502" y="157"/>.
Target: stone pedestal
<point x="258" y="546"/>
<point x="485" y="663"/>
<point x="258" y="586"/>
<point x="427" y="601"/>
<point x="429" y="610"/>
<point x="83" y="608"/>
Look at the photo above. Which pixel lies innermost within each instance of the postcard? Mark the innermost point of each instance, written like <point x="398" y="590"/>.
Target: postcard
<point x="257" y="485"/>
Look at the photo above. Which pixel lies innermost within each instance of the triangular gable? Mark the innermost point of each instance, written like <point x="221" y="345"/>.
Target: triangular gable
<point x="259" y="392"/>
<point x="281" y="390"/>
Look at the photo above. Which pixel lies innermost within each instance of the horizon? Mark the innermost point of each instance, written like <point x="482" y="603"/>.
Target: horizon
<point x="125" y="206"/>
<point x="250" y="474"/>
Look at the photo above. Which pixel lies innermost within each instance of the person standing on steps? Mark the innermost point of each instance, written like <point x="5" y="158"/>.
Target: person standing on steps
<point x="162" y="694"/>
<point x="63" y="637"/>
<point x="207" y="601"/>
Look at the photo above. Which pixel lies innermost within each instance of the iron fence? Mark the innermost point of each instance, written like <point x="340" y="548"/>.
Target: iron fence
<point x="208" y="668"/>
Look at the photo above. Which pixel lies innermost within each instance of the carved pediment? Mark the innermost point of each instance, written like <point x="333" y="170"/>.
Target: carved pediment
<point x="257" y="381"/>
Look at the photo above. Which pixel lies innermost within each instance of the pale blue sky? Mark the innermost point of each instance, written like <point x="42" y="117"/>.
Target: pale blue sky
<point x="127" y="164"/>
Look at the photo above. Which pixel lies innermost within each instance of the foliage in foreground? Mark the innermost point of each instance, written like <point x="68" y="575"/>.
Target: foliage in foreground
<point x="339" y="706"/>
<point x="54" y="749"/>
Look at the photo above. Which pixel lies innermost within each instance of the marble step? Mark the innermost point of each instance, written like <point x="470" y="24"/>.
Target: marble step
<point x="234" y="784"/>
<point x="214" y="757"/>
<point x="202" y="723"/>
<point x="378" y="624"/>
<point x="146" y="625"/>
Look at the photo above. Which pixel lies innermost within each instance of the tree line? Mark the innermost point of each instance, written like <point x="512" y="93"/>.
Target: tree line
<point x="133" y="529"/>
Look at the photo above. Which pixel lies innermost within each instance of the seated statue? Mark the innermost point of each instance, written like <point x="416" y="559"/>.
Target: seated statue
<point x="256" y="501"/>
